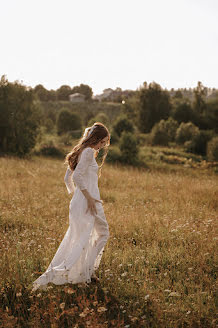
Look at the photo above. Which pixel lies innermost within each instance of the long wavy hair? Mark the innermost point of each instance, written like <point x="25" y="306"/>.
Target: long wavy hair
<point x="91" y="137"/>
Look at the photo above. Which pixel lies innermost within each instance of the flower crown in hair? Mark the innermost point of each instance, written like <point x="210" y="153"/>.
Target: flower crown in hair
<point x="90" y="131"/>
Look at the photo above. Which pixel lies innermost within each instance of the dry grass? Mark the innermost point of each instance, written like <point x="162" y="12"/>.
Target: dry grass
<point x="158" y="269"/>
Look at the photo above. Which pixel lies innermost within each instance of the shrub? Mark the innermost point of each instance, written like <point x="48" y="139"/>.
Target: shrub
<point x="159" y="135"/>
<point x="163" y="132"/>
<point x="114" y="137"/>
<point x="129" y="148"/>
<point x="212" y="149"/>
<point x="186" y="132"/>
<point x="51" y="150"/>
<point x="144" y="139"/>
<point x="123" y="124"/>
<point x="19" y="118"/>
<point x="68" y="121"/>
<point x="198" y="144"/>
<point x="100" y="117"/>
<point x="113" y="155"/>
<point x="183" y="112"/>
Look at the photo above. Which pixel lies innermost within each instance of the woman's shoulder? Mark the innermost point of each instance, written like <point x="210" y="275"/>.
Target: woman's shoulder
<point x="87" y="152"/>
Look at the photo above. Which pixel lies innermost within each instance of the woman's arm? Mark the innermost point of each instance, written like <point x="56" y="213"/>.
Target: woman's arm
<point x="78" y="178"/>
<point x="68" y="181"/>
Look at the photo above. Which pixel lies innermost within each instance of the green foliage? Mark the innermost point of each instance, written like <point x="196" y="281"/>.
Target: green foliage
<point x="114" y="155"/>
<point x="182" y="112"/>
<point x="186" y="132"/>
<point x="212" y="149"/>
<point x="129" y="147"/>
<point x="198" y="144"/>
<point x="19" y="118"/>
<point x="131" y="108"/>
<point x="85" y="90"/>
<point x="144" y="139"/>
<point x="199" y="102"/>
<point x="159" y="135"/>
<point x="68" y="121"/>
<point x="163" y="132"/>
<point x="49" y="149"/>
<point x="100" y="117"/>
<point x="123" y="124"/>
<point x="114" y="137"/>
<point x="49" y="125"/>
<point x="211" y="114"/>
<point x="63" y="92"/>
<point x="154" y="105"/>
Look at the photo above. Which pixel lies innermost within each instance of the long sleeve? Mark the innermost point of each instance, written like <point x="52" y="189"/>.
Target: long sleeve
<point x="78" y="174"/>
<point x="68" y="181"/>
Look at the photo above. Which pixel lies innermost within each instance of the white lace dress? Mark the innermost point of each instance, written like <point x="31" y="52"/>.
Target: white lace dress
<point x="81" y="249"/>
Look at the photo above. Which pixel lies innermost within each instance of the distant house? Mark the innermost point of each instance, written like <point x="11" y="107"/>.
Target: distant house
<point x="114" y="95"/>
<point x="77" y="98"/>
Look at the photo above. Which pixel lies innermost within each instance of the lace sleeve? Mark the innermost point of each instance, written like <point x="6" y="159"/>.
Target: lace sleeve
<point x="78" y="174"/>
<point x="68" y="181"/>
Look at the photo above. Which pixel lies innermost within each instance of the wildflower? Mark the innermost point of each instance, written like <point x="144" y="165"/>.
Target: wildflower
<point x="124" y="274"/>
<point x="147" y="297"/>
<point x="62" y="306"/>
<point x="174" y="294"/>
<point x="18" y="294"/>
<point x="102" y="309"/>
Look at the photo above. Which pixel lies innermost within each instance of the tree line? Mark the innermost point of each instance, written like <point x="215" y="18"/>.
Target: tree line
<point x="163" y="115"/>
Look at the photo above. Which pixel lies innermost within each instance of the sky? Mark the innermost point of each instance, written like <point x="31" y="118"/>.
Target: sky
<point x="109" y="43"/>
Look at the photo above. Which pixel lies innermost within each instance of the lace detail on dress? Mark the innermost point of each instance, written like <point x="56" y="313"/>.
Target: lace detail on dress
<point x="69" y="181"/>
<point x="85" y="160"/>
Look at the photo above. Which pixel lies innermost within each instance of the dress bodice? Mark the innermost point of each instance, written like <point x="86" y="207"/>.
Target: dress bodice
<point x="85" y="175"/>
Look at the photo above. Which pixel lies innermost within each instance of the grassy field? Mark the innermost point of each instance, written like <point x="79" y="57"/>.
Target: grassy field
<point x="158" y="268"/>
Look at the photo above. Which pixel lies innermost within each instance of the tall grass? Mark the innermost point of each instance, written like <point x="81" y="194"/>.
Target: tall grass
<point x="158" y="268"/>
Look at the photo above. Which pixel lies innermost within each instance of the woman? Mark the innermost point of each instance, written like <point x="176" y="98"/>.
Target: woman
<point x="81" y="249"/>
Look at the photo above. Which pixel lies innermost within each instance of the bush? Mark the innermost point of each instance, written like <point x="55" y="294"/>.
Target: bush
<point x="100" y="117"/>
<point x="19" y="118"/>
<point x="129" y="148"/>
<point x="186" y="132"/>
<point x="183" y="113"/>
<point x="123" y="124"/>
<point x="144" y="139"/>
<point x="163" y="132"/>
<point x="68" y="121"/>
<point x="212" y="149"/>
<point x="159" y="135"/>
<point x="198" y="144"/>
<point x="50" y="150"/>
<point x="114" y="137"/>
<point x="113" y="155"/>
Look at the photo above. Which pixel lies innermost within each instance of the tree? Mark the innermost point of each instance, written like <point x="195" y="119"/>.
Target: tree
<point x="182" y="112"/>
<point x="19" y="118"/>
<point x="123" y="124"/>
<point x="129" y="147"/>
<point x="164" y="131"/>
<point x="186" y="132"/>
<point x="41" y="92"/>
<point x="154" y="105"/>
<point x="199" y="101"/>
<point x="63" y="92"/>
<point x="68" y="121"/>
<point x="84" y="89"/>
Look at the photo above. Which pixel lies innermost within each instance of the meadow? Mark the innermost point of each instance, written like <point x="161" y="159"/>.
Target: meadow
<point x="158" y="267"/>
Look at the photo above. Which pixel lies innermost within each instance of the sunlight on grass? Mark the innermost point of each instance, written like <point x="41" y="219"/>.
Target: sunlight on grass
<point x="158" y="267"/>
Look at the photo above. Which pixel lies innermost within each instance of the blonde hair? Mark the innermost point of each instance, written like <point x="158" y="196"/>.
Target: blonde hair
<point x="91" y="137"/>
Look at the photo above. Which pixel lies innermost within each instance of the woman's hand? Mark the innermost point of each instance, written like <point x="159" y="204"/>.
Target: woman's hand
<point x="91" y="202"/>
<point x="91" y="205"/>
